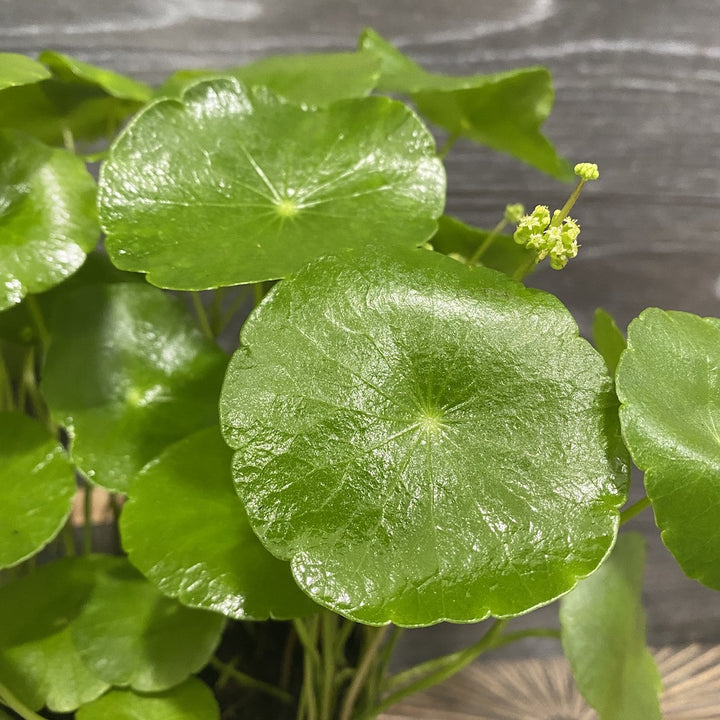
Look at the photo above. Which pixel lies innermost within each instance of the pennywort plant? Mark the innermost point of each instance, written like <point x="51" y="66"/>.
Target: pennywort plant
<point x="404" y="434"/>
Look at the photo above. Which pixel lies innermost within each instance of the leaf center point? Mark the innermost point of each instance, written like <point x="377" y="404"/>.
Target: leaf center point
<point x="286" y="207"/>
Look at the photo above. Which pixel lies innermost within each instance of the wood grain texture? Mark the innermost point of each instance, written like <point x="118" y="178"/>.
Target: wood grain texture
<point x="638" y="92"/>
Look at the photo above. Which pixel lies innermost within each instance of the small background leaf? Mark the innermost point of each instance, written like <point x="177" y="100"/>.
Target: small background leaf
<point x="668" y="381"/>
<point x="504" y="111"/>
<point x="202" y="549"/>
<point x="316" y="79"/>
<point x="131" y="635"/>
<point x="48" y="220"/>
<point x="37" y="485"/>
<point x="423" y="440"/>
<point x="20" y="70"/>
<point x="193" y="700"/>
<point x="608" y="339"/>
<point x="245" y="187"/>
<point x="127" y="374"/>
<point x="504" y="254"/>
<point x="69" y="70"/>
<point x="603" y="636"/>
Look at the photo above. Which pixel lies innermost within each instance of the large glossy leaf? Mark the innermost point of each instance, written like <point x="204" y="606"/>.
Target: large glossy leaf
<point x="193" y="700"/>
<point x="455" y="237"/>
<point x="37" y="484"/>
<point x="202" y="549"/>
<point x="71" y="70"/>
<point x="317" y="79"/>
<point x="38" y="661"/>
<point x="423" y="440"/>
<point x="18" y="70"/>
<point x="668" y="381"/>
<point x="504" y="111"/>
<point x="130" y="634"/>
<point x="48" y="219"/>
<point x="244" y="187"/>
<point x="127" y="374"/>
<point x="603" y="636"/>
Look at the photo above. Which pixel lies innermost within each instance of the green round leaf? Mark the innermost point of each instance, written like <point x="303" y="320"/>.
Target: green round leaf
<point x="245" y="187"/>
<point x="38" y="661"/>
<point x="131" y="635"/>
<point x="127" y="374"/>
<point x="603" y="636"/>
<point x="37" y="485"/>
<point x="668" y="381"/>
<point x="48" y="219"/>
<point x="193" y="700"/>
<point x="20" y="70"/>
<point x="202" y="550"/>
<point x="424" y="441"/>
<point x="317" y="79"/>
<point x="69" y="69"/>
<point x="504" y="111"/>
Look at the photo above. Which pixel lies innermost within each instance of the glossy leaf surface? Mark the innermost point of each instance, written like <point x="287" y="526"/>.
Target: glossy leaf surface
<point x="454" y="236"/>
<point x="37" y="484"/>
<point x="18" y="70"/>
<point x="608" y="339"/>
<point x="130" y="634"/>
<point x="668" y="381"/>
<point x="603" y="636"/>
<point x="202" y="550"/>
<point x="127" y="374"/>
<point x="234" y="186"/>
<point x="48" y="220"/>
<point x="316" y="79"/>
<point x="193" y="700"/>
<point x="504" y="111"/>
<point x="423" y="440"/>
<point x="70" y="70"/>
<point x="38" y="661"/>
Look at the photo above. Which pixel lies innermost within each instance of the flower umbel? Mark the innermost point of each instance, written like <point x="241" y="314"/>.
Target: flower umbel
<point x="555" y="238"/>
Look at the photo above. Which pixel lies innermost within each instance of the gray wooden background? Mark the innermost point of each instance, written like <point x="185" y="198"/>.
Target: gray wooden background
<point x="638" y="92"/>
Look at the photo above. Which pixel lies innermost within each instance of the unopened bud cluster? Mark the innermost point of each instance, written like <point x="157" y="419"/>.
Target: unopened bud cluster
<point x="553" y="238"/>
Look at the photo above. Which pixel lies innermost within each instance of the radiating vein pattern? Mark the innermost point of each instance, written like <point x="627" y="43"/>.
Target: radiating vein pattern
<point x="423" y="441"/>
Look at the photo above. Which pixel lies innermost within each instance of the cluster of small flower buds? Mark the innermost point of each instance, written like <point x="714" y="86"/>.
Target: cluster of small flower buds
<point x="554" y="237"/>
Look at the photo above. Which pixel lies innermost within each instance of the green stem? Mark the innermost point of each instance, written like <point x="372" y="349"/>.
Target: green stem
<point x="448" y="145"/>
<point x="236" y="304"/>
<point x="68" y="139"/>
<point x="635" y="509"/>
<point x="202" y="316"/>
<point x="68" y="538"/>
<point x="7" y="401"/>
<point x="483" y="247"/>
<point x="327" y="695"/>
<point x="362" y="671"/>
<point x="258" y="293"/>
<point x="9" y="700"/>
<point x="437" y="670"/>
<point x="346" y="630"/>
<point x="522" y="270"/>
<point x="228" y="671"/>
<point x="386" y="654"/>
<point x="567" y="207"/>
<point x="216" y="310"/>
<point x="307" y="631"/>
<point x="87" y="519"/>
<point x="288" y="657"/>
<point x="36" y="314"/>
